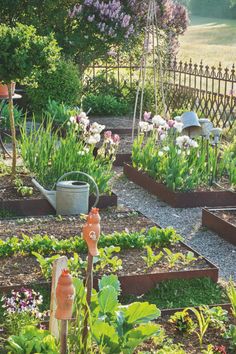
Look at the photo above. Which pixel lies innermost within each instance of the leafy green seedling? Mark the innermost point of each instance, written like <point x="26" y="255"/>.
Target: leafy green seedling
<point x="106" y="259"/>
<point x="151" y="258"/>
<point x="172" y="257"/>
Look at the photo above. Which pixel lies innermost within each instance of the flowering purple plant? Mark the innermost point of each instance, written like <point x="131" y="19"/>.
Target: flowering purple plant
<point x="107" y="25"/>
<point x="24" y="300"/>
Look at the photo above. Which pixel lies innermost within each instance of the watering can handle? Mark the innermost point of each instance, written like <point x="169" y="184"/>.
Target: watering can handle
<point x="84" y="174"/>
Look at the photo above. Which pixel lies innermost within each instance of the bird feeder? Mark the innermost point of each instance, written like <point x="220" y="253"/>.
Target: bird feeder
<point x="191" y="124"/>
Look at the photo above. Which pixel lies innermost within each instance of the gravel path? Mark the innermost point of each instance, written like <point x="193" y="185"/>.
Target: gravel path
<point x="186" y="221"/>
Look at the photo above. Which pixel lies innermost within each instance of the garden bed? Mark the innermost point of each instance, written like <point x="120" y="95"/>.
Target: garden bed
<point x="21" y="271"/>
<point x="179" y="199"/>
<point x="222" y="221"/>
<point x="135" y="277"/>
<point x="12" y="204"/>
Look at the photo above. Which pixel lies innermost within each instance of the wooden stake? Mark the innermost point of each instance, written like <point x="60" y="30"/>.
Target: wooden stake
<point x="63" y="336"/>
<point x="13" y="129"/>
<point x="89" y="285"/>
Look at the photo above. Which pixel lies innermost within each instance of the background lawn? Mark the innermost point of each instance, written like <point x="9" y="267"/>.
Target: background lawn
<point x="212" y="40"/>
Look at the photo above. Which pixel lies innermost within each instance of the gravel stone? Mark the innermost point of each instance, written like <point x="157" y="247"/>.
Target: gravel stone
<point x="186" y="221"/>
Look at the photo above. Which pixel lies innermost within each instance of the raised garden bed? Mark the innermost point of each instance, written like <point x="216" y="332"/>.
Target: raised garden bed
<point x="11" y="204"/>
<point x="41" y="206"/>
<point x="179" y="199"/>
<point x="21" y="271"/>
<point x="222" y="221"/>
<point x="189" y="341"/>
<point x="134" y="276"/>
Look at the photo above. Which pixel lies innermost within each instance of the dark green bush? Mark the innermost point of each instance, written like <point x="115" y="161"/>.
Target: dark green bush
<point x="18" y="116"/>
<point x="63" y="86"/>
<point x="106" y="105"/>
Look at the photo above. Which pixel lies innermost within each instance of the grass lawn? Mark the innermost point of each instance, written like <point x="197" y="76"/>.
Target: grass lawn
<point x="212" y="40"/>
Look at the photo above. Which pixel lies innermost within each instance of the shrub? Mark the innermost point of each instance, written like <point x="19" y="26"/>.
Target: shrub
<point x="24" y="56"/>
<point x="63" y="85"/>
<point x="18" y="115"/>
<point x="59" y="112"/>
<point x="106" y="105"/>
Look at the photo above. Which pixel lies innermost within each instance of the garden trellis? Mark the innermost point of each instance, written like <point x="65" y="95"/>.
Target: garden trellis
<point x="152" y="53"/>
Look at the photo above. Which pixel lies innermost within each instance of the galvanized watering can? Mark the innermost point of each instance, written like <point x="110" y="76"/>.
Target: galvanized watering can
<point x="70" y="197"/>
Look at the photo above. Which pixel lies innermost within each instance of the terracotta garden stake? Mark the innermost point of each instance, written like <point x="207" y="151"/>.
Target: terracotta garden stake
<point x="64" y="295"/>
<point x="91" y="234"/>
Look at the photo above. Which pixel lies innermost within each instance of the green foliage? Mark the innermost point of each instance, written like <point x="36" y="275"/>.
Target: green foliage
<point x="202" y="321"/>
<point x="63" y="85"/>
<point x="188" y="258"/>
<point x="45" y="264"/>
<point x="182" y="167"/>
<point x="231" y="336"/>
<point x="172" y="349"/>
<point x="180" y="293"/>
<point x="105" y="105"/>
<point x="183" y="322"/>
<point x="151" y="258"/>
<point x="49" y="160"/>
<point x="22" y="190"/>
<point x="32" y="340"/>
<point x="231" y="292"/>
<point x="14" y="322"/>
<point x="217" y="315"/>
<point x="49" y="245"/>
<point x="18" y="115"/>
<point x="165" y="237"/>
<point x="24" y="54"/>
<point x="59" y="112"/>
<point x="114" y="328"/>
<point x="76" y="265"/>
<point x="172" y="258"/>
<point x="105" y="260"/>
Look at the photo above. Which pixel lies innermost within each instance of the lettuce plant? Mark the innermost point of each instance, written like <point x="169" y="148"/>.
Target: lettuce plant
<point x="113" y="328"/>
<point x="32" y="340"/>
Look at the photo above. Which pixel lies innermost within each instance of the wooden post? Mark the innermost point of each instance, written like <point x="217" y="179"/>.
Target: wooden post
<point x="58" y="265"/>
<point x="89" y="285"/>
<point x="13" y="128"/>
<point x="63" y="336"/>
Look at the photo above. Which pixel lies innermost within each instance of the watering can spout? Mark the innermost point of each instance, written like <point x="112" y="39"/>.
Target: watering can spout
<point x="50" y="195"/>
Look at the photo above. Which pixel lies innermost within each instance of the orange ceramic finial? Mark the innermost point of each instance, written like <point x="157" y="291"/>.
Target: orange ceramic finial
<point x="91" y="231"/>
<point x="64" y="295"/>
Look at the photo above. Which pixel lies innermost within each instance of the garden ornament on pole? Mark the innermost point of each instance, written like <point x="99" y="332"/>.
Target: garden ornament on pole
<point x="65" y="293"/>
<point x="70" y="197"/>
<point x="191" y="125"/>
<point x="216" y="132"/>
<point x="91" y="234"/>
<point x="207" y="127"/>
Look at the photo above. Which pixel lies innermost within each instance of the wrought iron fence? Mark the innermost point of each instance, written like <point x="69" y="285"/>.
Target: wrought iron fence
<point x="208" y="90"/>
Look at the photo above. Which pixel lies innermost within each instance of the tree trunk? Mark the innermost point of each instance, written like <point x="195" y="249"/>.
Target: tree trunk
<point x="13" y="129"/>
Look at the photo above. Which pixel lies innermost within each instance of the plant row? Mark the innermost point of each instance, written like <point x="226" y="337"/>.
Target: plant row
<point x="46" y="245"/>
